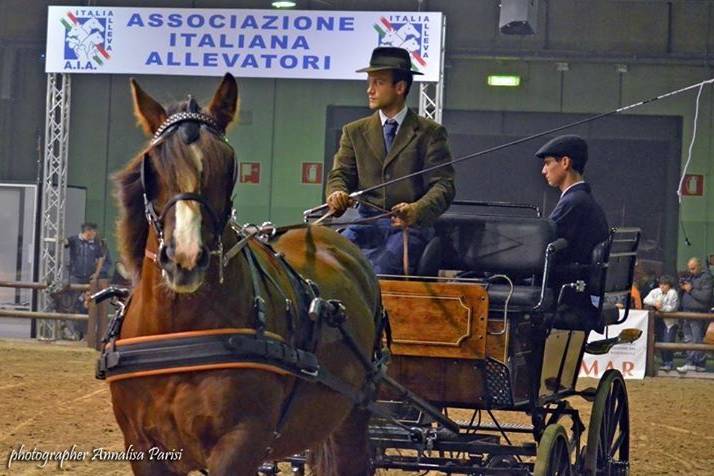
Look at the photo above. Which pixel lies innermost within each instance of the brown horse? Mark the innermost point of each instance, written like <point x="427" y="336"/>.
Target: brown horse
<point x="224" y="419"/>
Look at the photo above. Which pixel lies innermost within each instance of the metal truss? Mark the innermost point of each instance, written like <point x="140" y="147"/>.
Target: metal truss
<point x="54" y="194"/>
<point x="431" y="95"/>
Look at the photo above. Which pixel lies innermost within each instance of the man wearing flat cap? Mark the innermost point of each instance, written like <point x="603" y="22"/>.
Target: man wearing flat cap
<point x="578" y="217"/>
<point x="391" y="143"/>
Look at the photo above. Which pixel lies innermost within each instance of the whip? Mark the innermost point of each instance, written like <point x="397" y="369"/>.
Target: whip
<point x="699" y="85"/>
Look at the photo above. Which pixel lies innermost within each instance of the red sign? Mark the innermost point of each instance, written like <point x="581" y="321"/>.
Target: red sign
<point x="693" y="185"/>
<point x="311" y="172"/>
<point x="249" y="172"/>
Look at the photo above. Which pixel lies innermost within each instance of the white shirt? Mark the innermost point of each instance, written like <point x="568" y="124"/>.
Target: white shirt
<point x="399" y="117"/>
<point x="564" y="191"/>
<point x="669" y="302"/>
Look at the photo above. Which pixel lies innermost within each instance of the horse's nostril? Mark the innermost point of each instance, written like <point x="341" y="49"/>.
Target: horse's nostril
<point x="204" y="257"/>
<point x="171" y="251"/>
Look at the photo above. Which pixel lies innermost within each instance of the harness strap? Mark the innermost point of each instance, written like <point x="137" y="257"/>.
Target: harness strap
<point x="203" y="350"/>
<point x="259" y="301"/>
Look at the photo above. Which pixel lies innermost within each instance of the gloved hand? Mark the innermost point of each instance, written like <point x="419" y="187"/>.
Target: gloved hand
<point x="405" y="214"/>
<point x="338" y="202"/>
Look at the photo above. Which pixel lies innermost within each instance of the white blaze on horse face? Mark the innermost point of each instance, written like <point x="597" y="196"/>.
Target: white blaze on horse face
<point x="187" y="235"/>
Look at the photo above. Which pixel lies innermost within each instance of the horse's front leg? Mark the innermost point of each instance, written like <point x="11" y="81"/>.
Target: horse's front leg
<point x="241" y="451"/>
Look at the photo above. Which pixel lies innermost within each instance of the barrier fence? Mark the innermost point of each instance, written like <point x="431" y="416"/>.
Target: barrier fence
<point x="653" y="345"/>
<point x="96" y="316"/>
<point x="97" y="321"/>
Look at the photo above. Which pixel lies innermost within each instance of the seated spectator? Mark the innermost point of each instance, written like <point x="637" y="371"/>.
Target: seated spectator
<point x="665" y="299"/>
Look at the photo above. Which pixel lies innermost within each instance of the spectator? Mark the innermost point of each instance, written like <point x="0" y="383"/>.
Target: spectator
<point x="696" y="289"/>
<point x="89" y="259"/>
<point x="665" y="299"/>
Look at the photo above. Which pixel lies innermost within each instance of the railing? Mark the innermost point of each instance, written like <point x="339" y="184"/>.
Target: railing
<point x="96" y="317"/>
<point x="653" y="345"/>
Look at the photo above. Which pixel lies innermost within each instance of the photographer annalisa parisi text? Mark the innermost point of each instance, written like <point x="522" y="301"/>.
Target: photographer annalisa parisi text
<point x="42" y="458"/>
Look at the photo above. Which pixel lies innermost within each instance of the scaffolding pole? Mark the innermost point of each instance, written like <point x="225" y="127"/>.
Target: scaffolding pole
<point x="431" y="95"/>
<point x="54" y="194"/>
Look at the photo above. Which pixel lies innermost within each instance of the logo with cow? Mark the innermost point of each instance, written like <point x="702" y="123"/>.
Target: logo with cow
<point x="87" y="38"/>
<point x="410" y="32"/>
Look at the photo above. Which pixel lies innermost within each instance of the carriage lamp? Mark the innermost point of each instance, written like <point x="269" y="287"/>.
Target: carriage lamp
<point x="283" y="4"/>
<point x="504" y="80"/>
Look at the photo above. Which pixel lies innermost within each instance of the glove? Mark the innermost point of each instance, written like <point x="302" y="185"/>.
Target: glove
<point x="405" y="214"/>
<point x="338" y="202"/>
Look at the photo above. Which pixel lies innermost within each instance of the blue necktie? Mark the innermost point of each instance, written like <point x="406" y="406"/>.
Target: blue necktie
<point x="390" y="130"/>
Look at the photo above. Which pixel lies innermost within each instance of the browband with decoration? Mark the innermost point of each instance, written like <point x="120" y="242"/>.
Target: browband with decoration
<point x="180" y="117"/>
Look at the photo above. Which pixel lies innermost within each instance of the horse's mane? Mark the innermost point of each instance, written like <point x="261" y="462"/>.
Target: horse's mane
<point x="172" y="163"/>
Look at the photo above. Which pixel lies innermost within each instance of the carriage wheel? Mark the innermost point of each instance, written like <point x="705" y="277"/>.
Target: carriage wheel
<point x="553" y="456"/>
<point x="608" y="445"/>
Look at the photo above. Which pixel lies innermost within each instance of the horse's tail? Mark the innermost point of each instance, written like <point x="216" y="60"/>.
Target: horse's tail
<point x="322" y="459"/>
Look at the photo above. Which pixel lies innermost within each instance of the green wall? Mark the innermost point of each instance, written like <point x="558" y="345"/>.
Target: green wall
<point x="663" y="45"/>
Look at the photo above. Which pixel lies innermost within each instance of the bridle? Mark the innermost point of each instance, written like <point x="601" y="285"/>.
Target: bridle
<point x="189" y="125"/>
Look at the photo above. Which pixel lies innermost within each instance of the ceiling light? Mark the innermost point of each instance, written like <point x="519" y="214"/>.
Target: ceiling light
<point x="504" y="80"/>
<point x="283" y="4"/>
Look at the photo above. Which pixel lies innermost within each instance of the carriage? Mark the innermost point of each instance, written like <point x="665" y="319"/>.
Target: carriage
<point x="476" y="333"/>
<point x="288" y="346"/>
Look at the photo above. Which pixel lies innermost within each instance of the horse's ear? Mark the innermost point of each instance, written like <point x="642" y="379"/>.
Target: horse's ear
<point x="148" y="112"/>
<point x="225" y="102"/>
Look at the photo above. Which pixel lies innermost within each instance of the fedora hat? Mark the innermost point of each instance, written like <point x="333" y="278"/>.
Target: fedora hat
<point x="387" y="57"/>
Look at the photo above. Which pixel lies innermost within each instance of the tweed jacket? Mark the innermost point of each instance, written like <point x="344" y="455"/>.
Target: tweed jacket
<point x="362" y="162"/>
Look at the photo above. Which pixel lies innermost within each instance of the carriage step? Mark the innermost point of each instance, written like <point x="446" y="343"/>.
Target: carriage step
<point x="506" y="427"/>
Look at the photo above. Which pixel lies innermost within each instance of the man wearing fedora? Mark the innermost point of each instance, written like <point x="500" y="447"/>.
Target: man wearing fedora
<point x="391" y="143"/>
<point x="578" y="218"/>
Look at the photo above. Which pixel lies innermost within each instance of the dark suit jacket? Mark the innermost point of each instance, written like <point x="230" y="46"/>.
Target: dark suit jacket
<point x="580" y="220"/>
<point x="361" y="162"/>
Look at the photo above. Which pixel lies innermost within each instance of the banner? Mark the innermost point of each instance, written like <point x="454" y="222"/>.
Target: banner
<point x="248" y="43"/>
<point x="630" y="359"/>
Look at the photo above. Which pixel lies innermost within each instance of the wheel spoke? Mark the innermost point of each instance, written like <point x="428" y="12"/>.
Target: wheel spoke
<point x="614" y="423"/>
<point x="616" y="444"/>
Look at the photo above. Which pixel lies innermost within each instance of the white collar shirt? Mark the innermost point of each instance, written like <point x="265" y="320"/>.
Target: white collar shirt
<point x="399" y="117"/>
<point x="571" y="186"/>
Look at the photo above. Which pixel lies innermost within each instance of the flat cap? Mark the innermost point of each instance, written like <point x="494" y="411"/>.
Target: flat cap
<point x="571" y="145"/>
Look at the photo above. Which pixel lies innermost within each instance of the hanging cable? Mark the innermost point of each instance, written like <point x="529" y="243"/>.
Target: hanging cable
<point x="691" y="144"/>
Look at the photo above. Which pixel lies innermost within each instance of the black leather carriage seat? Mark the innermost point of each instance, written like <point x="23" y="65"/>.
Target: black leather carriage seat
<point x="431" y="258"/>
<point x="489" y="245"/>
<point x="613" y="268"/>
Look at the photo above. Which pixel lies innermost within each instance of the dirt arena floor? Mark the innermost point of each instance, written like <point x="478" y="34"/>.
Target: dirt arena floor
<point x="49" y="400"/>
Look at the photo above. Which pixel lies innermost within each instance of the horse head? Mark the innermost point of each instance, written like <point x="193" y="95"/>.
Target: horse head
<point x="182" y="184"/>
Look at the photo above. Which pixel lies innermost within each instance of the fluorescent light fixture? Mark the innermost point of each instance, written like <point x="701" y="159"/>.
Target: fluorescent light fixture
<point x="504" y="80"/>
<point x="283" y="4"/>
